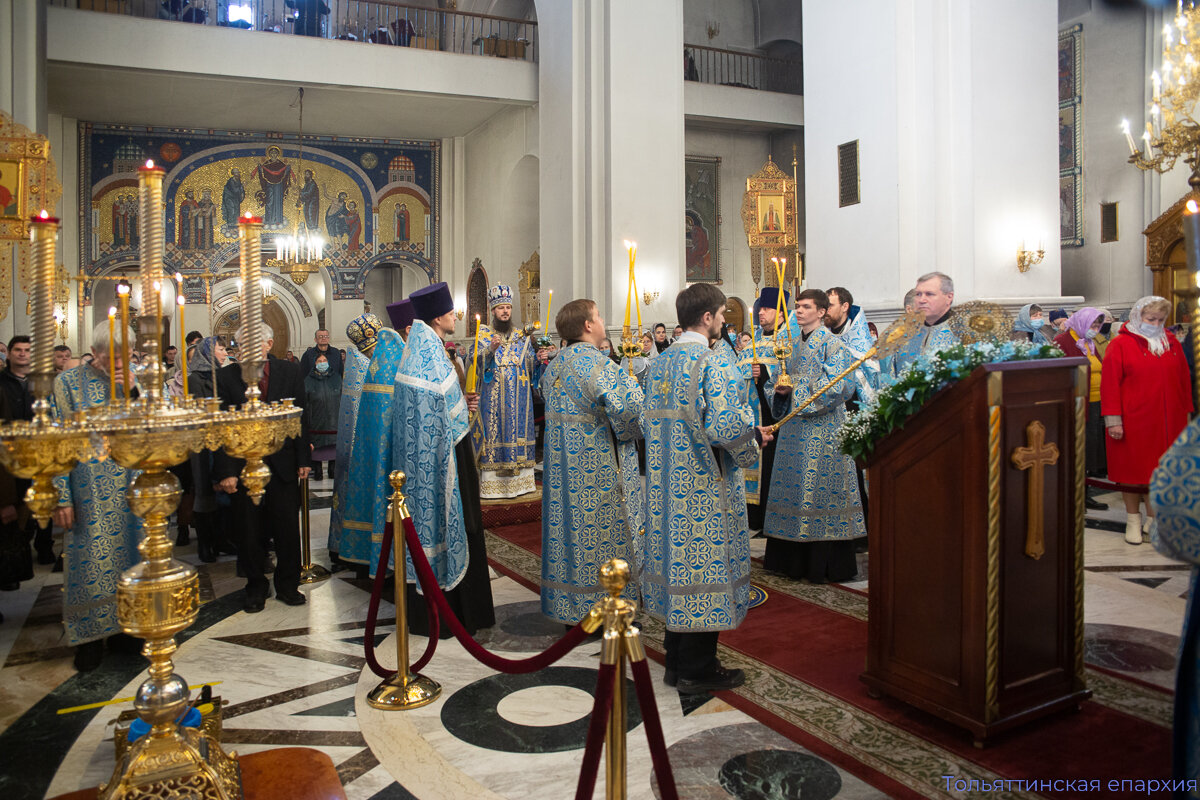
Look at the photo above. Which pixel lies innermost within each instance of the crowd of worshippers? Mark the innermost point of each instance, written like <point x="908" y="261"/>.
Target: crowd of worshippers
<point x="668" y="460"/>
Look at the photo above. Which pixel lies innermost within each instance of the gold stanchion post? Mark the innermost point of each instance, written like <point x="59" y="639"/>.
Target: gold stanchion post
<point x="621" y="645"/>
<point x="309" y="572"/>
<point x="404" y="690"/>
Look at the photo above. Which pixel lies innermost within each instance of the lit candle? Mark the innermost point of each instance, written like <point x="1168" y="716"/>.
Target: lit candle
<point x="1146" y="139"/>
<point x="1133" y="148"/>
<point x="631" y="247"/>
<point x="753" y="337"/>
<point x="778" y="299"/>
<point x="1156" y="79"/>
<point x="112" y="353"/>
<point x="549" y="304"/>
<point x="123" y="301"/>
<point x="183" y="350"/>
<point x="787" y="312"/>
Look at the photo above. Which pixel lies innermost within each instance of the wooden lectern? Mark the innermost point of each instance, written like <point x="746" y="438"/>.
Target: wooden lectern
<point x="976" y="541"/>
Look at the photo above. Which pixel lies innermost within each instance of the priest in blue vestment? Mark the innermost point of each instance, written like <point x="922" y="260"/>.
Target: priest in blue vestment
<point x="700" y="433"/>
<point x="102" y="534"/>
<point x="592" y="507"/>
<point x="815" y="512"/>
<point x="848" y="323"/>
<point x="934" y="297"/>
<point x="367" y="487"/>
<point x="363" y="332"/>
<point x="1175" y="496"/>
<point x="431" y="446"/>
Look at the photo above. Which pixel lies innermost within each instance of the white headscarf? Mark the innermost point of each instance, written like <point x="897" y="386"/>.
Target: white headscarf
<point x="1155" y="335"/>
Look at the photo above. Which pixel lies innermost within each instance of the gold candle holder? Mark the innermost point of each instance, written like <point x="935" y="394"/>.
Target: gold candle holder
<point x="250" y="250"/>
<point x="150" y="229"/>
<point x="41" y="375"/>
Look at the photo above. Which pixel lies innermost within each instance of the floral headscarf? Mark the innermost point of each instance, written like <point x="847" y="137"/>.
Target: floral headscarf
<point x="1155" y="335"/>
<point x="1080" y="322"/>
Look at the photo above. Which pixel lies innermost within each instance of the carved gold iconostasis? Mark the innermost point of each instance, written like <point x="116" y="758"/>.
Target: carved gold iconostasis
<point x="28" y="183"/>
<point x="373" y="201"/>
<point x="769" y="218"/>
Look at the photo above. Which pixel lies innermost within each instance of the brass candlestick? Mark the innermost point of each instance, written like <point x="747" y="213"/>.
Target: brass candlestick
<point x="309" y="572"/>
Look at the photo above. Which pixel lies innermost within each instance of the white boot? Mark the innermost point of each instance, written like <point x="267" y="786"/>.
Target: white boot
<point x="1133" y="528"/>
<point x="1150" y="527"/>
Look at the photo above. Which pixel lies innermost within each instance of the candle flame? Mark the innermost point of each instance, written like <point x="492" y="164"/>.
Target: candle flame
<point x="44" y="214"/>
<point x="181" y="300"/>
<point x="179" y="277"/>
<point x="112" y="311"/>
<point x="122" y="288"/>
<point x="477" y="318"/>
<point x="776" y="260"/>
<point x="247" y="215"/>
<point x="1125" y="126"/>
<point x="150" y="164"/>
<point x="1192" y="207"/>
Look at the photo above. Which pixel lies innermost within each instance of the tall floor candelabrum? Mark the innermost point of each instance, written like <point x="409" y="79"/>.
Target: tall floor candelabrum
<point x="158" y="597"/>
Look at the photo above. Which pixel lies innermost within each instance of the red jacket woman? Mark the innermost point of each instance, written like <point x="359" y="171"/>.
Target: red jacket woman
<point x="1145" y="398"/>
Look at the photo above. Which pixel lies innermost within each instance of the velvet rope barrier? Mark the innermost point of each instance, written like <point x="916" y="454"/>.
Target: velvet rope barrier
<point x="385" y="551"/>
<point x="433" y="595"/>
<point x="654" y="732"/>
<point x="601" y="708"/>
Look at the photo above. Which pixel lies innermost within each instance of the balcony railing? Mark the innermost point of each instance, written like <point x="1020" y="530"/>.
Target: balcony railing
<point x="747" y="70"/>
<point x="374" y="21"/>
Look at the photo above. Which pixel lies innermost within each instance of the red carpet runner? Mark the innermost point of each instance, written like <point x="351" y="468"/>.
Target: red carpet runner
<point x="827" y="650"/>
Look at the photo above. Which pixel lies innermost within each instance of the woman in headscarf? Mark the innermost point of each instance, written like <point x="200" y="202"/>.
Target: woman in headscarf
<point x="1078" y="339"/>
<point x="323" y="395"/>
<point x="1029" y="325"/>
<point x="212" y="538"/>
<point x="1145" y="397"/>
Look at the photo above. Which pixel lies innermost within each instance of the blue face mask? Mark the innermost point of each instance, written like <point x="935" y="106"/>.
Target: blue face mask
<point x="1037" y="323"/>
<point x="1092" y="333"/>
<point x="323" y="366"/>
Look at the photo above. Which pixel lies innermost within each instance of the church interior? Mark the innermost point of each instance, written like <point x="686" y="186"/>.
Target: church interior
<point x="478" y="142"/>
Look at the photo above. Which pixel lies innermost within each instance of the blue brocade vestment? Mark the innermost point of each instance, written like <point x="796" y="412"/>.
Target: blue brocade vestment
<point x="368" y="490"/>
<point x="504" y="442"/>
<point x="592" y="507"/>
<point x="103" y="543"/>
<point x="352" y="381"/>
<point x="696" y="557"/>
<point x="1175" y="496"/>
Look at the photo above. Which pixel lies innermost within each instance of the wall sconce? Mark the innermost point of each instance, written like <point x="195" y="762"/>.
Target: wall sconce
<point x="459" y="313"/>
<point x="713" y="30"/>
<point x="1028" y="258"/>
<point x="649" y="297"/>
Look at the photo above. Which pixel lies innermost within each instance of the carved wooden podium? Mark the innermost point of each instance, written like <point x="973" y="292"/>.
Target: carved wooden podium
<point x="976" y="541"/>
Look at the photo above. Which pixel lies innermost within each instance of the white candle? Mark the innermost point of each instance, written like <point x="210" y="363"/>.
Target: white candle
<point x="1129" y="137"/>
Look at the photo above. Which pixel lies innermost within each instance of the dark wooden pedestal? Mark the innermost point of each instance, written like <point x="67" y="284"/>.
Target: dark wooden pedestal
<point x="285" y="773"/>
<point x="964" y="622"/>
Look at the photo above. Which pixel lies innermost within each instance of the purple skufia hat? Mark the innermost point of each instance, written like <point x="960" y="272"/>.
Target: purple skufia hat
<point x="401" y="314"/>
<point x="432" y="301"/>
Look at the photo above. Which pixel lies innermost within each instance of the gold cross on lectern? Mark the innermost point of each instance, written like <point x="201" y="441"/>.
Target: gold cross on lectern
<point x="1035" y="456"/>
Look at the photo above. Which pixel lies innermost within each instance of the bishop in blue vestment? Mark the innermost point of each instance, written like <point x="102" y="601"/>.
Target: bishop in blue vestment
<point x="102" y="541"/>
<point x="430" y="445"/>
<point x="1175" y="496"/>
<point x="592" y="507"/>
<point x="700" y="433"/>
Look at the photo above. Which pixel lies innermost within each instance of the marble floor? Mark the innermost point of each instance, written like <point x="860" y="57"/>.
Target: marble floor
<point x="297" y="676"/>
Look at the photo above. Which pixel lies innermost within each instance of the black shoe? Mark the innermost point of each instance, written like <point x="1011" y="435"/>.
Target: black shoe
<point x="293" y="598"/>
<point x="717" y="680"/>
<point x="45" y="555"/>
<point x="89" y="655"/>
<point x="254" y="603"/>
<point x="58" y="564"/>
<point x="671" y="678"/>
<point x="10" y="587"/>
<point x="124" y="643"/>
<point x="1094" y="505"/>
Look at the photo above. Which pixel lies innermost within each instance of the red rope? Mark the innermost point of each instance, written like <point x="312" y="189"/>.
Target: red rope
<point x="373" y="614"/>
<point x="433" y="593"/>
<point x="601" y="709"/>
<point x="654" y="732"/>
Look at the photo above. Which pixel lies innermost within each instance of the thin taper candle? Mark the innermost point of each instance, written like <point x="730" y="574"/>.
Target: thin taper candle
<point x="183" y="366"/>
<point x="126" y="378"/>
<point x="112" y="353"/>
<point x="549" y="305"/>
<point x="788" y="315"/>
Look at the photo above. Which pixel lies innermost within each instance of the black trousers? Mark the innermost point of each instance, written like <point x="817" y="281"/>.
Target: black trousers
<point x="690" y="654"/>
<point x="276" y="518"/>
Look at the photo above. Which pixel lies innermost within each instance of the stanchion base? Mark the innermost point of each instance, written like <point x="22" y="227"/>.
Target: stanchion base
<point x="314" y="573"/>
<point x="399" y="693"/>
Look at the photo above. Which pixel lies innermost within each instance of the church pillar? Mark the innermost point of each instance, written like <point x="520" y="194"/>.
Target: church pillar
<point x="611" y="149"/>
<point x="954" y="108"/>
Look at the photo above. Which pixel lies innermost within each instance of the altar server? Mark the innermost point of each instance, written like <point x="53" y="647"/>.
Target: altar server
<point x="592" y="508"/>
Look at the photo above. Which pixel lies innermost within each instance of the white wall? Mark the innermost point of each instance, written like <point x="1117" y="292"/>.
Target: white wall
<point x="958" y="146"/>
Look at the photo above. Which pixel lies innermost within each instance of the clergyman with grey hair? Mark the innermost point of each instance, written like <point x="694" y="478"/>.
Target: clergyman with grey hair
<point x="277" y="517"/>
<point x="933" y="297"/>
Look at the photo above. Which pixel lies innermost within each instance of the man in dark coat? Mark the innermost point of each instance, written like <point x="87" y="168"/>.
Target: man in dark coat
<point x="277" y="516"/>
<point x="322" y="347"/>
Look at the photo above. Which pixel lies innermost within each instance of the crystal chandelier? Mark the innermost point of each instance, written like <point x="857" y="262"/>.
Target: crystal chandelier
<point x="1171" y="131"/>
<point x="302" y="253"/>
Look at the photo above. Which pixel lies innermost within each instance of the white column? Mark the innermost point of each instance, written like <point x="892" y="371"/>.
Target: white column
<point x="954" y="107"/>
<point x="611" y="149"/>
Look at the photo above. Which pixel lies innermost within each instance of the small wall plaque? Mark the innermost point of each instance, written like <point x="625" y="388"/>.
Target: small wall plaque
<point x="1109" y="232"/>
<point x="848" y="183"/>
